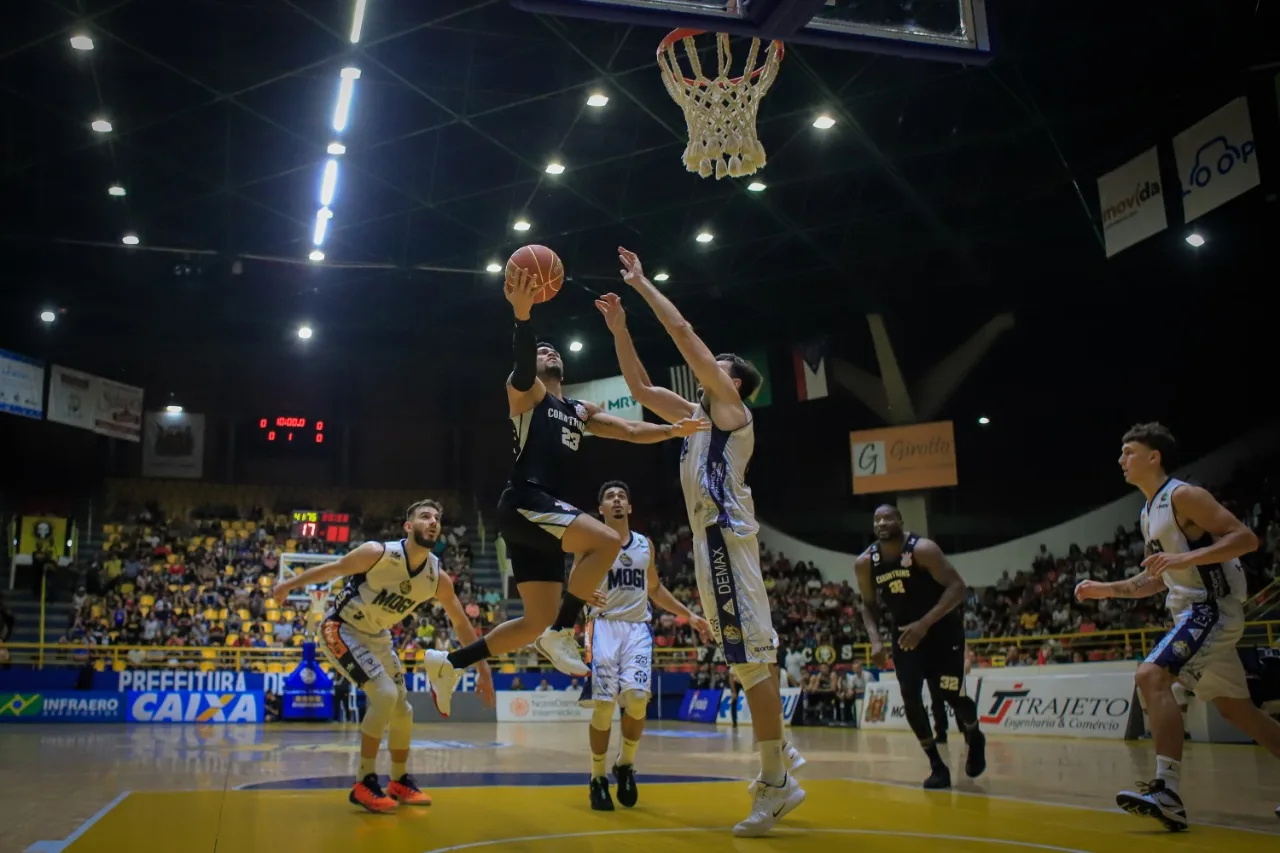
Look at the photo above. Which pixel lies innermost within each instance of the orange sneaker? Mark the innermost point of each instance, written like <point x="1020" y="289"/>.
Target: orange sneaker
<point x="406" y="791"/>
<point x="367" y="793"/>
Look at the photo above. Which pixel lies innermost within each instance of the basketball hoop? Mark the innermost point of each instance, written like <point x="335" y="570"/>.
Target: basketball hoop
<point x="315" y="614"/>
<point x="720" y="111"/>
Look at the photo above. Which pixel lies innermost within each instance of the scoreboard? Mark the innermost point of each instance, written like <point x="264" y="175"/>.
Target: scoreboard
<point x="329" y="526"/>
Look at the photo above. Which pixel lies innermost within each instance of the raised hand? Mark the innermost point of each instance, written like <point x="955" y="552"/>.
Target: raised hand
<point x="521" y="289"/>
<point x="632" y="271"/>
<point x="615" y="317"/>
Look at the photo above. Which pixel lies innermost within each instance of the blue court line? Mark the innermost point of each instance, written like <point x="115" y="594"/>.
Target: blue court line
<point x="59" y="846"/>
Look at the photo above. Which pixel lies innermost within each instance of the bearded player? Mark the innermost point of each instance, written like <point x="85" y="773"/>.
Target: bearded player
<point x="620" y="647"/>
<point x="726" y="552"/>
<point x="1193" y="550"/>
<point x="385" y="582"/>
<point x="922" y="592"/>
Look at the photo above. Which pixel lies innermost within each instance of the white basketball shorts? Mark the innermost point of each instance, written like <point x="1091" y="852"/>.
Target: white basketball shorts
<point x="1200" y="650"/>
<point x="734" y="599"/>
<point x="621" y="659"/>
<point x="360" y="657"/>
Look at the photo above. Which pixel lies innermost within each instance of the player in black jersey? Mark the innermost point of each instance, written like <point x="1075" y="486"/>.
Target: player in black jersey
<point x="539" y="527"/>
<point x="922" y="592"/>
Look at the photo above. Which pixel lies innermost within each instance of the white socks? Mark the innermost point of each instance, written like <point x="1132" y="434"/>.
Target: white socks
<point x="772" y="770"/>
<point x="1169" y="772"/>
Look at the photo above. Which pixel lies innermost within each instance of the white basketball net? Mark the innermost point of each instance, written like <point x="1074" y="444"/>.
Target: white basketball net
<point x="720" y="111"/>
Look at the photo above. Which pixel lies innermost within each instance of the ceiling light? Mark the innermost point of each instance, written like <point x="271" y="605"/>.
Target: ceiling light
<point x="116" y="190"/>
<point x="304" y="332"/>
<point x="328" y="182"/>
<point x="323" y="215"/>
<point x="316" y="255"/>
<point x="575" y="346"/>
<point x="705" y="237"/>
<point x="336" y="149"/>
<point x="357" y="21"/>
<point x="101" y="125"/>
<point x="48" y="316"/>
<point x="493" y="266"/>
<point x="824" y="122"/>
<point x="555" y="169"/>
<point x="597" y="99"/>
<point x="130" y="239"/>
<point x="173" y="410"/>
<point x="661" y="277"/>
<point x="1195" y="240"/>
<point x="984" y="420"/>
<point x="345" y="88"/>
<point x="81" y="42"/>
<point x="521" y="225"/>
<point x="756" y="187"/>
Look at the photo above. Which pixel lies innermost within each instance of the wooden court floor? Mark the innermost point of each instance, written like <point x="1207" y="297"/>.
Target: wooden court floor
<point x="522" y="787"/>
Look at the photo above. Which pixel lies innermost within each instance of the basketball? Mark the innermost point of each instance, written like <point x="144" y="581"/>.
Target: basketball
<point x="541" y="262"/>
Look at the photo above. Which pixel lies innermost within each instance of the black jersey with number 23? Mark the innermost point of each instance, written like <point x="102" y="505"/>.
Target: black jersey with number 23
<point x="546" y="442"/>
<point x="907" y="590"/>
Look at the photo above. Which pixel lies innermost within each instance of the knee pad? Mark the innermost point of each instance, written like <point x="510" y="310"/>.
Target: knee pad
<point x="751" y="674"/>
<point x="635" y="704"/>
<point x="602" y="715"/>
<point x="382" y="694"/>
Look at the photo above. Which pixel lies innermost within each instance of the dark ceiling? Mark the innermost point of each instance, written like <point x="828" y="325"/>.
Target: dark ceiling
<point x="943" y="183"/>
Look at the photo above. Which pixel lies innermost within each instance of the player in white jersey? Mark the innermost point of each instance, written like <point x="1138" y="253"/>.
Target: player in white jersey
<point x="385" y="582"/>
<point x="726" y="553"/>
<point x="619" y="648"/>
<point x="1193" y="546"/>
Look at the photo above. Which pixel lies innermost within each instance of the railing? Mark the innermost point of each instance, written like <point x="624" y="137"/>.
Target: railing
<point x="1128" y="643"/>
<point x="1264" y="601"/>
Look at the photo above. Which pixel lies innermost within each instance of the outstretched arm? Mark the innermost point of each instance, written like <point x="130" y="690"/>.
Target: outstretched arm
<point x="1141" y="585"/>
<point x="663" y="402"/>
<point x="356" y="562"/>
<point x="639" y="432"/>
<point x="448" y="598"/>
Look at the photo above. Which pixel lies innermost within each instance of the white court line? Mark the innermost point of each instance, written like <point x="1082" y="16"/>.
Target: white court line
<point x="1030" y="845"/>
<point x="58" y="846"/>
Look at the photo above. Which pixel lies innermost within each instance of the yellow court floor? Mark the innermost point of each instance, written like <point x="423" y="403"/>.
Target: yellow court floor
<point x="522" y="787"/>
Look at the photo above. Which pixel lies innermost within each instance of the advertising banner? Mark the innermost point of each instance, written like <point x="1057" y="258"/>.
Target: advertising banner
<point x="882" y="706"/>
<point x="21" y="385"/>
<point x="119" y="412"/>
<point x="610" y="394"/>
<point x="43" y="537"/>
<point x="543" y="706"/>
<point x="72" y="397"/>
<point x="62" y="706"/>
<point x="173" y="445"/>
<point x="700" y="706"/>
<point x="1132" y="202"/>
<point x="1217" y="159"/>
<point x="1095" y="706"/>
<point x="188" y="706"/>
<point x="790" y="702"/>
<point x="904" y="458"/>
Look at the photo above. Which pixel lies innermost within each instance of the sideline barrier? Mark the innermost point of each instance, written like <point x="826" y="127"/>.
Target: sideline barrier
<point x="790" y="702"/>
<point x="62" y="706"/>
<point x="543" y="706"/>
<point x="191" y="707"/>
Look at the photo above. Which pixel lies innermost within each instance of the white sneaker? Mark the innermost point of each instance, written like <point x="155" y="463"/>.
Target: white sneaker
<point x="794" y="760"/>
<point x="561" y="649"/>
<point x="444" y="678"/>
<point x="770" y="806"/>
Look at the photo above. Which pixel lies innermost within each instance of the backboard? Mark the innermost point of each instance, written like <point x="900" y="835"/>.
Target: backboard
<point x="948" y="30"/>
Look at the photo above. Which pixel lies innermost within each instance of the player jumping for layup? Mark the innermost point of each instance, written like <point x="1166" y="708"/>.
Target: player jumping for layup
<point x="386" y="581"/>
<point x="1193" y="546"/>
<point x="726" y="553"/>
<point x="923" y="593"/>
<point x="539" y="527"/>
<point x="620" y="648"/>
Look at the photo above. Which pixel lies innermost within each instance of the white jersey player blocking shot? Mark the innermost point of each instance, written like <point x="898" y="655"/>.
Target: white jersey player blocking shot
<point x="385" y="582"/>
<point x="726" y="553"/>
<point x="1193" y="546"/>
<point x="619" y="646"/>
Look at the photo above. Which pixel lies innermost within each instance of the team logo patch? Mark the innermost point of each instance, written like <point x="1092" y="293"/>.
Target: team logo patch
<point x="625" y="559"/>
<point x="907" y="559"/>
<point x="1196" y="633"/>
<point x="732" y="635"/>
<point x="877" y="705"/>
<point x="728" y="607"/>
<point x="405" y="586"/>
<point x="1181" y="649"/>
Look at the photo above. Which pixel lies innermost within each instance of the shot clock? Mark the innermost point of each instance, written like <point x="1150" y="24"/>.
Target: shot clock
<point x="325" y="525"/>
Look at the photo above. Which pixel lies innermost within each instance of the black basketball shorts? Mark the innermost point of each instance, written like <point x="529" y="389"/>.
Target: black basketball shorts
<point x="939" y="660"/>
<point x="532" y="522"/>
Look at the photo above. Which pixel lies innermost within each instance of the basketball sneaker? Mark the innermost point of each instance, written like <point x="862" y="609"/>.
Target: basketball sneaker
<point x="628" y="793"/>
<point x="561" y="648"/>
<point x="444" y="678"/>
<point x="600" y="799"/>
<point x="406" y="792"/>
<point x="771" y="805"/>
<point x="794" y="760"/>
<point x="939" y="779"/>
<point x="975" y="762"/>
<point x="367" y="793"/>
<point x="1153" y="799"/>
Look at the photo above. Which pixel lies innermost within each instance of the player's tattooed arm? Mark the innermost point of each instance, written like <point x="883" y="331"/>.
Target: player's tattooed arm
<point x="1142" y="585"/>
<point x="524" y="389"/>
<point x="640" y="432"/>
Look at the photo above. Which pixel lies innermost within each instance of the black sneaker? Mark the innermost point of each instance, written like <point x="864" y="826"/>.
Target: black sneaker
<point x="1154" y="800"/>
<point x="941" y="738"/>
<point x="625" y="774"/>
<point x="600" y="799"/>
<point x="976" y="762"/>
<point x="939" y="779"/>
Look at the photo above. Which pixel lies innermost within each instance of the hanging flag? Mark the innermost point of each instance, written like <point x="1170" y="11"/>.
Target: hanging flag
<point x="684" y="383"/>
<point x="810" y="361"/>
<point x="764" y="394"/>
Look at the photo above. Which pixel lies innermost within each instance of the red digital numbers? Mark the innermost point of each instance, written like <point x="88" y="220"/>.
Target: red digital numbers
<point x="295" y="423"/>
<point x="307" y="528"/>
<point x="271" y="436"/>
<point x="319" y="438"/>
<point x="285" y="425"/>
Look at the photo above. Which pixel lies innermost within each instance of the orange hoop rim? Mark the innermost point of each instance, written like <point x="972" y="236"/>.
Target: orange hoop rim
<point x="687" y="32"/>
